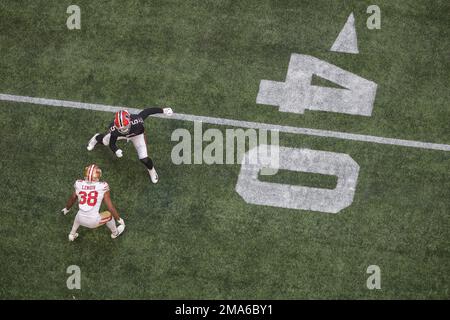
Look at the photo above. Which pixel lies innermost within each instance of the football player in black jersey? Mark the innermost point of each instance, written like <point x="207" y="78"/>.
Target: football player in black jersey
<point x="130" y="127"/>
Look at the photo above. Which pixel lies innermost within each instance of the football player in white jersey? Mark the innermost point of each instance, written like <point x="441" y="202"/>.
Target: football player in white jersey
<point x="90" y="193"/>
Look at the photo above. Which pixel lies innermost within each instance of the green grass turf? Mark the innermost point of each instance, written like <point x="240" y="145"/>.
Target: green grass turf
<point x="192" y="235"/>
<point x="314" y="180"/>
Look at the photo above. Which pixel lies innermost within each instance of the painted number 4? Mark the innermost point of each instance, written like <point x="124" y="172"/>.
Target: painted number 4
<point x="297" y="93"/>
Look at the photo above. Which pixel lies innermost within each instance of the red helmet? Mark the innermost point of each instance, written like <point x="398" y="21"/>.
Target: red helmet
<point x="122" y="121"/>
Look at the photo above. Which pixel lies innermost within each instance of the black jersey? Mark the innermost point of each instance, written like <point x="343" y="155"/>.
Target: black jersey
<point x="136" y="128"/>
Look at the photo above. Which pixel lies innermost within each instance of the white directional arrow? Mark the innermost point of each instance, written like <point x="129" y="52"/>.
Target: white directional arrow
<point x="347" y="41"/>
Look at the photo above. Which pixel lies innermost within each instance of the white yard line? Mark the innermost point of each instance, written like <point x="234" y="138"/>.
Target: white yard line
<point x="234" y="123"/>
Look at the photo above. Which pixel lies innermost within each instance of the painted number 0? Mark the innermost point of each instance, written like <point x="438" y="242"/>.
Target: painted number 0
<point x="254" y="191"/>
<point x="90" y="199"/>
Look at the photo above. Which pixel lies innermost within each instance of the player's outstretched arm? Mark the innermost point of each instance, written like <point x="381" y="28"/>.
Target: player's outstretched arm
<point x="70" y="203"/>
<point x="111" y="208"/>
<point x="149" y="111"/>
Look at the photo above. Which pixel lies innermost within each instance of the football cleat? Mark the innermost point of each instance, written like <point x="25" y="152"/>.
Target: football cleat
<point x="92" y="173"/>
<point x="153" y="175"/>
<point x="92" y="143"/>
<point x="72" y="237"/>
<point x="120" y="230"/>
<point x="122" y="121"/>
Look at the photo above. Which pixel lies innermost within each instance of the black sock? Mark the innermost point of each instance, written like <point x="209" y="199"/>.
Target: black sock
<point x="99" y="138"/>
<point x="147" y="162"/>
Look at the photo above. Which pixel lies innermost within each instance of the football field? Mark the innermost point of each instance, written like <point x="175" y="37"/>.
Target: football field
<point x="230" y="64"/>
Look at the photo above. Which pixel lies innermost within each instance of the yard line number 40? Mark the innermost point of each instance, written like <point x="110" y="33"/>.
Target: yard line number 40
<point x="296" y="95"/>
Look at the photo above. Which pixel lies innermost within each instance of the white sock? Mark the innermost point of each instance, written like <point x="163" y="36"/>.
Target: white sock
<point x="111" y="224"/>
<point x="75" y="226"/>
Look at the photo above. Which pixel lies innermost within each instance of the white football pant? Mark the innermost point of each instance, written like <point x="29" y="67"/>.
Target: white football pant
<point x="138" y="141"/>
<point x="93" y="221"/>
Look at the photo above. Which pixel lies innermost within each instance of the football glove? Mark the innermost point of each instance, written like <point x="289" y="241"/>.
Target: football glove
<point x="65" y="211"/>
<point x="120" y="221"/>
<point x="168" y="111"/>
<point x="119" y="153"/>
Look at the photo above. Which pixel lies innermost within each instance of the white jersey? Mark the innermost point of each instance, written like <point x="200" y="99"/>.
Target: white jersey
<point x="90" y="196"/>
